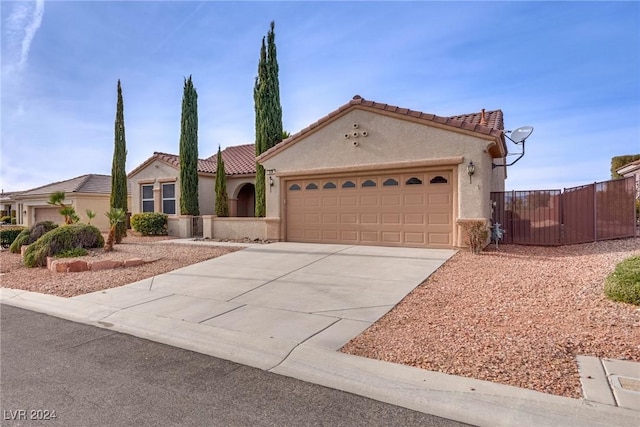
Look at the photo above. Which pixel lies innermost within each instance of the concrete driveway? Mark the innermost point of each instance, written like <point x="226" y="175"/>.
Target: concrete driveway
<point x="276" y="296"/>
<point x="288" y="307"/>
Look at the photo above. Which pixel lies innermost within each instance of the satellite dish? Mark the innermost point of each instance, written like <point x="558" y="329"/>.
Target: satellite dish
<point x="520" y="134"/>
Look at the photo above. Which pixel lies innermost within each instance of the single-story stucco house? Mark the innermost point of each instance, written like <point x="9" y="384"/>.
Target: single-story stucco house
<point x="84" y="192"/>
<point x="366" y="173"/>
<point x="155" y="183"/>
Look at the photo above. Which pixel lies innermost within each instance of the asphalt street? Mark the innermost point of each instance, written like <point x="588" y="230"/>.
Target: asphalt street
<point x="55" y="372"/>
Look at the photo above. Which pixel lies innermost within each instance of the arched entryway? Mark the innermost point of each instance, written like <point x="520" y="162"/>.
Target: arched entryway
<point x="247" y="200"/>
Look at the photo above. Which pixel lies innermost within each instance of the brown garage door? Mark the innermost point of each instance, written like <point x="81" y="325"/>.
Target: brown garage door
<point x="48" y="214"/>
<point x="401" y="209"/>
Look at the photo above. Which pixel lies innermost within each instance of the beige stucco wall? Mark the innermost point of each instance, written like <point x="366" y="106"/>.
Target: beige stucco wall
<point x="158" y="173"/>
<point x="389" y="140"/>
<point x="98" y="203"/>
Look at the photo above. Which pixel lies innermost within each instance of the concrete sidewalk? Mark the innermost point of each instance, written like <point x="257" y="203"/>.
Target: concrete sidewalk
<point x="288" y="307"/>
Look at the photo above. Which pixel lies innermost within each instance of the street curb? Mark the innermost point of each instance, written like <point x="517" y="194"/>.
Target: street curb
<point x="461" y="399"/>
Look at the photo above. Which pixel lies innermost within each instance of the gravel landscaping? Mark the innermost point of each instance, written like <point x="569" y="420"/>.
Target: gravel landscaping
<point x="165" y="257"/>
<point x="518" y="315"/>
<point x="515" y="315"/>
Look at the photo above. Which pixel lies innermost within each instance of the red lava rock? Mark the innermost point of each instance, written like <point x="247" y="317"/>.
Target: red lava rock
<point x="59" y="266"/>
<point x="133" y="262"/>
<point x="104" y="265"/>
<point x="77" y="266"/>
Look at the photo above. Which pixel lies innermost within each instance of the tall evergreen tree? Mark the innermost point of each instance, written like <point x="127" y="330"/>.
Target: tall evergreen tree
<point x="259" y="98"/>
<point x="273" y="111"/>
<point x="222" y="202"/>
<point x="118" y="173"/>
<point x="189" y="151"/>
<point x="266" y="95"/>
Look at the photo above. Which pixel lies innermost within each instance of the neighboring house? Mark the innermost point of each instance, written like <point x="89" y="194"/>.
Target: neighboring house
<point x="632" y="169"/>
<point x="83" y="192"/>
<point x="8" y="203"/>
<point x="376" y="174"/>
<point x="155" y="183"/>
<point x="367" y="173"/>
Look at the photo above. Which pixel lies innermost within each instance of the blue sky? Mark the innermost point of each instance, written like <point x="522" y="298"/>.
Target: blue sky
<point x="570" y="69"/>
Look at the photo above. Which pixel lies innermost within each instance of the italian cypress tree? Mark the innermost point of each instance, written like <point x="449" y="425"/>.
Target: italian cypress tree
<point x="222" y="202"/>
<point x="266" y="95"/>
<point x="259" y="95"/>
<point x="189" y="151"/>
<point x="274" y="109"/>
<point x="118" y="174"/>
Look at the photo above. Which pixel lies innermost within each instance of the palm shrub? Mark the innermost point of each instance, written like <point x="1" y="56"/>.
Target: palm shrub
<point x="30" y="235"/>
<point x="62" y="239"/>
<point x="624" y="283"/>
<point x="90" y="215"/>
<point x="116" y="216"/>
<point x="69" y="212"/>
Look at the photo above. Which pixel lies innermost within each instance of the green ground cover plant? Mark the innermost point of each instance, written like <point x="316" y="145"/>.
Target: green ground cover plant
<point x="624" y="283"/>
<point x="62" y="239"/>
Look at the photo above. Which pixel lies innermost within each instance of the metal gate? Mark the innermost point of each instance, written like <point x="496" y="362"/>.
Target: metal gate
<point x="196" y="226"/>
<point x="587" y="213"/>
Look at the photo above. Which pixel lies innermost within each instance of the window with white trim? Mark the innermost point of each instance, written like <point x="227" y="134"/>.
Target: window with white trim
<point x="147" y="198"/>
<point x="169" y="198"/>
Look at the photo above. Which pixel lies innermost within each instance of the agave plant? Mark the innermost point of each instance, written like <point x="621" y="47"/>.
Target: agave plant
<point x="116" y="216"/>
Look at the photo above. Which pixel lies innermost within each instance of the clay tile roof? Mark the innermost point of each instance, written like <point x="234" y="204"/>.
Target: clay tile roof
<point x="90" y="183"/>
<point x="238" y="160"/>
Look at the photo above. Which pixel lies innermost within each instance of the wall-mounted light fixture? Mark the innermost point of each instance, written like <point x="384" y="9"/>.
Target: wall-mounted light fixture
<point x="471" y="169"/>
<point x="270" y="173"/>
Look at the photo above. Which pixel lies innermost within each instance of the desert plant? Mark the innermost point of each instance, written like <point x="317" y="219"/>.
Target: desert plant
<point x="624" y="283"/>
<point x="116" y="216"/>
<point x="72" y="253"/>
<point x="62" y="239"/>
<point x="8" y="235"/>
<point x="476" y="234"/>
<point x="5" y="219"/>
<point x="90" y="215"/>
<point x="30" y="235"/>
<point x="150" y="223"/>
<point x="68" y="212"/>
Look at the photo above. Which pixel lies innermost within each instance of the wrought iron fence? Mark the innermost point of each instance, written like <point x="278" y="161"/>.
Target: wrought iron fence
<point x="598" y="211"/>
<point x="196" y="226"/>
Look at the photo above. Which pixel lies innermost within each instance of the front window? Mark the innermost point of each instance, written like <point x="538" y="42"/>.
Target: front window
<point x="147" y="198"/>
<point x="169" y="198"/>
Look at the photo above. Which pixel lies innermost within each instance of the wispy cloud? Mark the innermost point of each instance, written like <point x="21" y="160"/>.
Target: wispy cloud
<point x="22" y="25"/>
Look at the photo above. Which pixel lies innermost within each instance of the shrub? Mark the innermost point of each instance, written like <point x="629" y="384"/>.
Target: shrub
<point x="8" y="235"/>
<point x="62" y="239"/>
<point x="624" y="283"/>
<point x="5" y="219"/>
<point x="72" y="253"/>
<point x="150" y="223"/>
<point x="30" y="235"/>
<point x="476" y="234"/>
<point x="13" y="221"/>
